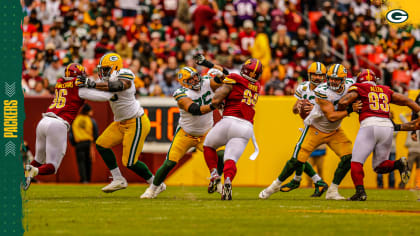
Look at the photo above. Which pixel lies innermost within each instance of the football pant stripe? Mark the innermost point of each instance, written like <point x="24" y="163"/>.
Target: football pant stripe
<point x="135" y="143"/>
<point x="176" y="132"/>
<point x="302" y="137"/>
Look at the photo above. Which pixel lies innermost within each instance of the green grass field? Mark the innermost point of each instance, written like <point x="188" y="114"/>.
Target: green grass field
<point x="85" y="210"/>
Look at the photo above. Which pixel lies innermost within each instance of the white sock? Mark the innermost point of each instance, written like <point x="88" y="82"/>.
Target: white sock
<point x="153" y="187"/>
<point x="316" y="178"/>
<point x="150" y="181"/>
<point x="334" y="186"/>
<point x="116" y="173"/>
<point x="277" y="182"/>
<point x="298" y="178"/>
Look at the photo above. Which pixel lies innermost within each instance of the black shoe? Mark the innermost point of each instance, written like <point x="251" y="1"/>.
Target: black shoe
<point x="360" y="194"/>
<point x="227" y="190"/>
<point x="320" y="188"/>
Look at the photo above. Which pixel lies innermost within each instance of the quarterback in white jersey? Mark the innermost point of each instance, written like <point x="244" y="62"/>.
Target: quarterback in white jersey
<point x="322" y="126"/>
<point x="196" y="119"/>
<point x="130" y="127"/>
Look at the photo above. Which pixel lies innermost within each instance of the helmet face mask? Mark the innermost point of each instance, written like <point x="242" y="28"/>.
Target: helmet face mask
<point x="336" y="77"/>
<point x="316" y="73"/>
<point x="335" y="83"/>
<point x="189" y="78"/>
<point x="316" y="79"/>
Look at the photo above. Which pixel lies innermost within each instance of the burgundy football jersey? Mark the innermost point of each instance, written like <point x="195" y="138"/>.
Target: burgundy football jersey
<point x="242" y="99"/>
<point x="66" y="103"/>
<point x="375" y="99"/>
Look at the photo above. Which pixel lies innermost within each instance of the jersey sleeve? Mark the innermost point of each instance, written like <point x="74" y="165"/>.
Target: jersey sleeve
<point x="299" y="92"/>
<point x="321" y="92"/>
<point x="179" y="93"/>
<point x="354" y="87"/>
<point x="126" y="74"/>
<point x="229" y="80"/>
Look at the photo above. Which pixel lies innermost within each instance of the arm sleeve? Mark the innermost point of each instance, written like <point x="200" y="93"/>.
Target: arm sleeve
<point x="298" y="92"/>
<point x="94" y="95"/>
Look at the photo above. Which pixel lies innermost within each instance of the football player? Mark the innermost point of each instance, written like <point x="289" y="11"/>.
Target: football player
<point x="51" y="131"/>
<point x="322" y="126"/>
<point x="130" y="127"/>
<point x="376" y="129"/>
<point x="196" y="119"/>
<point x="303" y="106"/>
<point x="240" y="93"/>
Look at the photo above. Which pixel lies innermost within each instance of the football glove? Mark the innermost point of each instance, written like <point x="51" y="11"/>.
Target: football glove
<point x="86" y="82"/>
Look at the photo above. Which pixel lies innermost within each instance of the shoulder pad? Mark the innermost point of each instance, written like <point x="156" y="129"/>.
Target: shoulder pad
<point x="321" y="91"/>
<point x="180" y="93"/>
<point x="229" y="80"/>
<point x="126" y="74"/>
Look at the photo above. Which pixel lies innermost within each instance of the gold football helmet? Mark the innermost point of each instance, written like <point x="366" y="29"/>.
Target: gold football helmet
<point x="188" y="77"/>
<point x="336" y="77"/>
<point x="318" y="69"/>
<point x="109" y="63"/>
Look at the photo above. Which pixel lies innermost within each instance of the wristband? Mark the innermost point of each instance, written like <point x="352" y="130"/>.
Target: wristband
<point x="212" y="107"/>
<point x="397" y="127"/>
<point x="226" y="72"/>
<point x="349" y="109"/>
<point x="207" y="64"/>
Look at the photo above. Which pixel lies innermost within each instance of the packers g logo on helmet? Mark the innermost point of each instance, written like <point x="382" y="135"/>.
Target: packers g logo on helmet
<point x="316" y="68"/>
<point x="109" y="63"/>
<point x="336" y="77"/>
<point x="187" y="76"/>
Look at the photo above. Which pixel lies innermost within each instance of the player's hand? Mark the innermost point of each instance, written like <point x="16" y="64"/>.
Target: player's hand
<point x="414" y="137"/>
<point x="357" y="106"/>
<point x="86" y="82"/>
<point x="215" y="73"/>
<point x="308" y="107"/>
<point x="199" y="59"/>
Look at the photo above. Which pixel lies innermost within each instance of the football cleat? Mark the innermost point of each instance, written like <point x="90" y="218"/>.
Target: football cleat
<point x="227" y="190"/>
<point x="267" y="192"/>
<point x="404" y="170"/>
<point x="116" y="184"/>
<point x="30" y="173"/>
<point x="360" y="194"/>
<point x="290" y="186"/>
<point x="161" y="188"/>
<point x="332" y="194"/>
<point x="320" y="188"/>
<point x="215" y="181"/>
<point x="149" y="193"/>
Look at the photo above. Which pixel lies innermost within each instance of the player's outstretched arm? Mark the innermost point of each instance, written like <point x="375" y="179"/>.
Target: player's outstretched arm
<point x="95" y="95"/>
<point x="187" y="104"/>
<point x="347" y="100"/>
<point x="408" y="126"/>
<point x="402" y="100"/>
<point x="114" y="86"/>
<point x="328" y="109"/>
<point x="221" y="94"/>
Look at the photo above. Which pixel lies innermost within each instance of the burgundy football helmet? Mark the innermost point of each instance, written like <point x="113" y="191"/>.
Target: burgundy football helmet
<point x="366" y="75"/>
<point x="252" y="69"/>
<point x="74" y="70"/>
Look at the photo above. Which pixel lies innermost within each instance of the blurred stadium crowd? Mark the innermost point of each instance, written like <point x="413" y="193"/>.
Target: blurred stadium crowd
<point x="156" y="37"/>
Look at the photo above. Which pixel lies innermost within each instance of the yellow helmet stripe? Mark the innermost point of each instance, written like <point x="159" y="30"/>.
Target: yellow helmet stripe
<point x="256" y="67"/>
<point x="318" y="67"/>
<point x="188" y="69"/>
